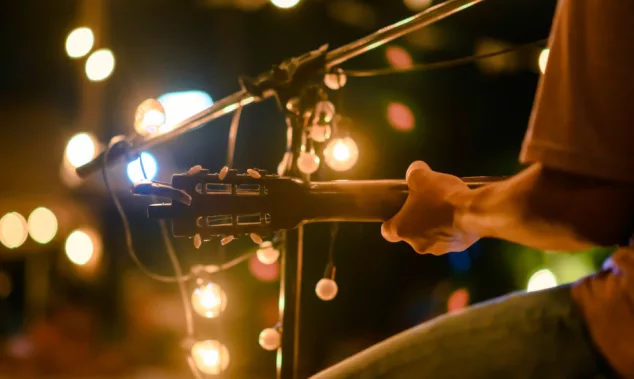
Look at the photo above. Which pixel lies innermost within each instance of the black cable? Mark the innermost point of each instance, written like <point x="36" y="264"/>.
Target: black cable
<point x="126" y="225"/>
<point x="440" y="65"/>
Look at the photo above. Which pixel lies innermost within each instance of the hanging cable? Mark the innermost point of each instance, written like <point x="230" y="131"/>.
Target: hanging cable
<point x="442" y="64"/>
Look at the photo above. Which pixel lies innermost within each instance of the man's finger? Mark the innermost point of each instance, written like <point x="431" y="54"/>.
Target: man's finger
<point x="388" y="231"/>
<point x="417" y="165"/>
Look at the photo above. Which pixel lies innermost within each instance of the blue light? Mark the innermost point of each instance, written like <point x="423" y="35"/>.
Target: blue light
<point x="180" y="106"/>
<point x="135" y="174"/>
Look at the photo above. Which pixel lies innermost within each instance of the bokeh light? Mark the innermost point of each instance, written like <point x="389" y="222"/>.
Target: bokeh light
<point x="400" y="117"/>
<point x="81" y="149"/>
<point x="82" y="246"/>
<point x="341" y="154"/>
<point x="42" y="225"/>
<point x="458" y="300"/>
<point x="149" y="117"/>
<point x="398" y="57"/>
<point x="264" y="272"/>
<point x="211" y="357"/>
<point x="100" y="65"/>
<point x="179" y="106"/>
<point x="79" y="42"/>
<point x="13" y="230"/>
<point x="135" y="172"/>
<point x="209" y="300"/>
<point x="267" y="253"/>
<point x="541" y="280"/>
<point x="543" y="60"/>
<point x="285" y="4"/>
<point x="417" y="5"/>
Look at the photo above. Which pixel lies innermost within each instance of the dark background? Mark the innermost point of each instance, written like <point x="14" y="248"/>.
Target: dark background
<point x="470" y="120"/>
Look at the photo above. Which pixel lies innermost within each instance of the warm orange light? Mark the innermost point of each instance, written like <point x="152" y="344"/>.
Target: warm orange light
<point x="458" y="300"/>
<point x="83" y="246"/>
<point x="400" y="116"/>
<point x="398" y="57"/>
<point x="42" y="225"/>
<point x="13" y="230"/>
<point x="264" y="272"/>
<point x="543" y="60"/>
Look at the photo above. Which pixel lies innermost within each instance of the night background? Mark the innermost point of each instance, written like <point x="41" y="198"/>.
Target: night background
<point x="87" y="311"/>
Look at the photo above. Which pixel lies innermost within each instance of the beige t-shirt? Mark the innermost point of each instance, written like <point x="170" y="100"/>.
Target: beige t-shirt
<point x="583" y="123"/>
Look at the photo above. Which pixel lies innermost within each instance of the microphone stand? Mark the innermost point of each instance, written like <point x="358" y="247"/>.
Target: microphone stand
<point x="286" y="83"/>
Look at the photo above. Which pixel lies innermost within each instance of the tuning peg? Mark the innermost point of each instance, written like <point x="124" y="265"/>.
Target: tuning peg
<point x="256" y="238"/>
<point x="227" y="239"/>
<point x="195" y="170"/>
<point x="223" y="173"/>
<point x="254" y="174"/>
<point x="198" y="241"/>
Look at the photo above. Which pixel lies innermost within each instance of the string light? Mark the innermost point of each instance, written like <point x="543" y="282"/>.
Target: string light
<point x="326" y="289"/>
<point x="79" y="42"/>
<point x="210" y="356"/>
<point x="541" y="280"/>
<point x="341" y="154"/>
<point x="149" y="117"/>
<point x="308" y="163"/>
<point x="285" y="4"/>
<point x="13" y="230"/>
<point x="81" y="246"/>
<point x="81" y="148"/>
<point x="543" y="60"/>
<point x="267" y="254"/>
<point x="100" y="65"/>
<point x="42" y="225"/>
<point x="209" y="300"/>
<point x="270" y="339"/>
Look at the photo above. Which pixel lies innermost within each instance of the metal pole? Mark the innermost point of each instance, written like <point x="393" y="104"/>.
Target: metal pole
<point x="333" y="58"/>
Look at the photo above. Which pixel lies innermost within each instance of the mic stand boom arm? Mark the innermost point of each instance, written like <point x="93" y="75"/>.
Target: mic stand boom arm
<point x="267" y="85"/>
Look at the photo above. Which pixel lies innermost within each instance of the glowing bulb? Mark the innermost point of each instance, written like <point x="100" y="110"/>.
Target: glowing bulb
<point x="79" y="42"/>
<point x="81" y="149"/>
<point x="308" y="163"/>
<point x="80" y="247"/>
<point x="13" y="230"/>
<point x="543" y="60"/>
<point x="326" y="289"/>
<point x="135" y="172"/>
<point x="320" y="132"/>
<point x="149" y="117"/>
<point x="541" y="280"/>
<point x="99" y="65"/>
<point x="417" y="5"/>
<point x="285" y="4"/>
<point x="42" y="225"/>
<point x="209" y="300"/>
<point x="211" y="357"/>
<point x="267" y="254"/>
<point x="341" y="154"/>
<point x="270" y="339"/>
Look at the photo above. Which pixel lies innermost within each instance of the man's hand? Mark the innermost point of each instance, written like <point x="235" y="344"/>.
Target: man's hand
<point x="426" y="221"/>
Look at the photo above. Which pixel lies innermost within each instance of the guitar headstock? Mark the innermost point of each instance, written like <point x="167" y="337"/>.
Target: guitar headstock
<point x="228" y="203"/>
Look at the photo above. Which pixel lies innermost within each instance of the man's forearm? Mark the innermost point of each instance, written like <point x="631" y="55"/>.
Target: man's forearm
<point x="549" y="210"/>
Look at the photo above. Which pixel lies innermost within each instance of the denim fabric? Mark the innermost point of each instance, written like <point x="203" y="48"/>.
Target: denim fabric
<point x="523" y="335"/>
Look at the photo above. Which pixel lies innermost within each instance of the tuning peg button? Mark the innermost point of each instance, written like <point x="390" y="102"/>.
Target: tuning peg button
<point x="256" y="238"/>
<point x="227" y="239"/>
<point x="198" y="241"/>
<point x="223" y="173"/>
<point x="254" y="174"/>
<point x="195" y="170"/>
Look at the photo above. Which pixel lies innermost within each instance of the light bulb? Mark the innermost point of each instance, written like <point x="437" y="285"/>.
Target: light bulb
<point x="325" y="110"/>
<point x="13" y="230"/>
<point x="541" y="280"/>
<point x="149" y="117"/>
<point x="308" y="163"/>
<point x="320" y="132"/>
<point x="42" y="225"/>
<point x="100" y="65"/>
<point x="335" y="80"/>
<point x="543" y="60"/>
<point x="211" y="357"/>
<point x="270" y="339"/>
<point x="209" y="300"/>
<point x="341" y="154"/>
<point x="326" y="289"/>
<point x="79" y="42"/>
<point x="267" y="254"/>
<point x="81" y="149"/>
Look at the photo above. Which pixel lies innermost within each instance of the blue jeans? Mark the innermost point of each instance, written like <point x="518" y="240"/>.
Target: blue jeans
<point x="524" y="335"/>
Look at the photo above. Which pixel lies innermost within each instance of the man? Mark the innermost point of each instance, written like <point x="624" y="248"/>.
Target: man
<point x="578" y="192"/>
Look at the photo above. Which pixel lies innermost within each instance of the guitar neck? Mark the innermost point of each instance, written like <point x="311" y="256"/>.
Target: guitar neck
<point x="363" y="200"/>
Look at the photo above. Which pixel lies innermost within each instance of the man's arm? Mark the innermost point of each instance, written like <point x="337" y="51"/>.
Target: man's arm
<point x="548" y="209"/>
